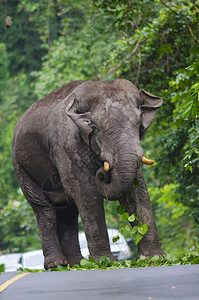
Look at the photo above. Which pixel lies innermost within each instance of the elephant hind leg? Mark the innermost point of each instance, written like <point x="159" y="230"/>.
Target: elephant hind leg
<point x="67" y="221"/>
<point x="35" y="162"/>
<point x="46" y="218"/>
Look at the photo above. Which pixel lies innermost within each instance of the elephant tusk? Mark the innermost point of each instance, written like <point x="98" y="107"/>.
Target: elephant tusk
<point x="147" y="161"/>
<point x="106" y="166"/>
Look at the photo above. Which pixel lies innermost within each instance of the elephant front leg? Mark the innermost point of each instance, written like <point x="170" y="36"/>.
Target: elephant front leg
<point x="139" y="202"/>
<point x="91" y="209"/>
<point x="149" y="245"/>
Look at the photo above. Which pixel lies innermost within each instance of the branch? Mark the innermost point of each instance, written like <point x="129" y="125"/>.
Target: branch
<point x="124" y="59"/>
<point x="48" y="23"/>
<point x="190" y="30"/>
<point x="169" y="7"/>
<point x="139" y="67"/>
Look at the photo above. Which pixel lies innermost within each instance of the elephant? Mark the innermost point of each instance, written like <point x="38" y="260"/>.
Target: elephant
<point x="75" y="147"/>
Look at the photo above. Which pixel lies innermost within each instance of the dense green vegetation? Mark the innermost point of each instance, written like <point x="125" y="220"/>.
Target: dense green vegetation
<point x="152" y="43"/>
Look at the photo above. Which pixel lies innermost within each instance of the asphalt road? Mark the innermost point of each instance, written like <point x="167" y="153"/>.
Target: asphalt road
<point x="150" y="283"/>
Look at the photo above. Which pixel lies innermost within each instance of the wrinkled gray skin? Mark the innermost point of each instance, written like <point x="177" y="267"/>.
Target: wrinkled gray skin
<point x="59" y="147"/>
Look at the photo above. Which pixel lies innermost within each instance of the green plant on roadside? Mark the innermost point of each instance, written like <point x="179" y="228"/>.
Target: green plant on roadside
<point x="104" y="263"/>
<point x="2" y="268"/>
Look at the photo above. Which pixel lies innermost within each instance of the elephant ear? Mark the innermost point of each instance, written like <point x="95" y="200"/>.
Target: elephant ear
<point x="81" y="120"/>
<point x="149" y="107"/>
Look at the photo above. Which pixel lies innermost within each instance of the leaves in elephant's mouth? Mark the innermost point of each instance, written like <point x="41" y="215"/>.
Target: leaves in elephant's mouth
<point x="101" y="176"/>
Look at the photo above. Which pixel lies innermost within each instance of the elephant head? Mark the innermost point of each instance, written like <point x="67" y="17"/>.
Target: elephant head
<point x="111" y="118"/>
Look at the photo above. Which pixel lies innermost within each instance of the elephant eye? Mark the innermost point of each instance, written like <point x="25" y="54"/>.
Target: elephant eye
<point x="77" y="111"/>
<point x="94" y="127"/>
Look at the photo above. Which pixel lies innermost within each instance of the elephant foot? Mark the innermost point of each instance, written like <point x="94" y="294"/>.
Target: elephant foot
<point x="110" y="256"/>
<point x="150" y="252"/>
<point x="74" y="260"/>
<point x="54" y="261"/>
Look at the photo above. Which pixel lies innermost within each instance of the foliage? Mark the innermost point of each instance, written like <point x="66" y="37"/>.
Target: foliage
<point x="4" y="74"/>
<point x="2" y="268"/>
<point x="17" y="227"/>
<point x="104" y="263"/>
<point x="173" y="220"/>
<point x="22" y="41"/>
<point x="152" y="43"/>
<point x="75" y="56"/>
<point x="17" y="224"/>
<point x="139" y="228"/>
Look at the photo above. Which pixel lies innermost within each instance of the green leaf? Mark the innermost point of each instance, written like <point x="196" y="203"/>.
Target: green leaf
<point x="100" y="175"/>
<point x="115" y="238"/>
<point x="195" y="253"/>
<point x="145" y="228"/>
<point x="104" y="260"/>
<point x="127" y="228"/>
<point x="134" y="229"/>
<point x="120" y="209"/>
<point x="2" y="268"/>
<point x="124" y="216"/>
<point x="195" y="261"/>
<point x="131" y="218"/>
<point x="155" y="258"/>
<point x="138" y="238"/>
<point x="85" y="263"/>
<point x="92" y="260"/>
<point x="142" y="257"/>
<point x="141" y="230"/>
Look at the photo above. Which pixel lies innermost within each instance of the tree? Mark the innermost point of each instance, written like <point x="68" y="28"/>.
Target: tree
<point x="154" y="44"/>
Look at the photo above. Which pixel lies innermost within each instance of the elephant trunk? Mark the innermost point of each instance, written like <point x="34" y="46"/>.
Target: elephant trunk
<point x="115" y="180"/>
